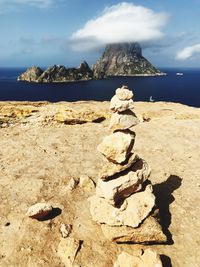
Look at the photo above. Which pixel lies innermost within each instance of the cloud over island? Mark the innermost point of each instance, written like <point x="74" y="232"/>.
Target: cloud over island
<point x="124" y="22"/>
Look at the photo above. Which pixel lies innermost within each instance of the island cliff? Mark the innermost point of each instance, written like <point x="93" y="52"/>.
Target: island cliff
<point x="124" y="60"/>
<point x="117" y="60"/>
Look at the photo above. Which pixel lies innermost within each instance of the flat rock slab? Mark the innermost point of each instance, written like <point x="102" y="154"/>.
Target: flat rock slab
<point x="116" y="147"/>
<point x="67" y="250"/>
<point x="148" y="232"/>
<point x="147" y="258"/>
<point x="132" y="212"/>
<point x="125" y="184"/>
<point x="123" y="120"/>
<point x="110" y="169"/>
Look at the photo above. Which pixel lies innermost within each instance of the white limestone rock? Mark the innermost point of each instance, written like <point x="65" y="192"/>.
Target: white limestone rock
<point x="124" y="93"/>
<point x="39" y="210"/>
<point x="67" y="250"/>
<point x="133" y="211"/>
<point x="122" y="121"/>
<point x="65" y="230"/>
<point x="116" y="147"/>
<point x="124" y="184"/>
<point x="110" y="169"/>
<point x="86" y="182"/>
<point x="146" y="258"/>
<point x="117" y="105"/>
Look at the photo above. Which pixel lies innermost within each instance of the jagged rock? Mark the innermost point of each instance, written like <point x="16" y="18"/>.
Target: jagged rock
<point x="65" y="230"/>
<point x="110" y="169"/>
<point x="123" y="120"/>
<point x="117" y="146"/>
<point x="132" y="212"/>
<point x="123" y="59"/>
<point x="72" y="116"/>
<point x="124" y="93"/>
<point x="120" y="105"/>
<point x="86" y="182"/>
<point x="31" y="74"/>
<point x="57" y="73"/>
<point x="146" y="258"/>
<point x="125" y="184"/>
<point x="67" y="250"/>
<point x="148" y="232"/>
<point x="39" y="210"/>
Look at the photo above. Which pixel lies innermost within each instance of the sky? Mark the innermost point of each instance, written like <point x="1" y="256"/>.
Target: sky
<point x="66" y="32"/>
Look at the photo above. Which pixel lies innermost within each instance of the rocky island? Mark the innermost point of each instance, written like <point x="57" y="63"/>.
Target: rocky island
<point x="124" y="60"/>
<point x="117" y="60"/>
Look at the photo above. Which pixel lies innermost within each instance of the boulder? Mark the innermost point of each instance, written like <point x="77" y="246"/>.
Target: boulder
<point x="123" y="120"/>
<point x="131" y="213"/>
<point x="117" y="146"/>
<point x="146" y="258"/>
<point x="148" y="232"/>
<point x="124" y="93"/>
<point x="110" y="169"/>
<point x="39" y="210"/>
<point x="124" y="184"/>
<point x="117" y="105"/>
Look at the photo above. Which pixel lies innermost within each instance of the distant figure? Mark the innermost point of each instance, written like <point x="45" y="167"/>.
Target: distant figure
<point x="151" y="99"/>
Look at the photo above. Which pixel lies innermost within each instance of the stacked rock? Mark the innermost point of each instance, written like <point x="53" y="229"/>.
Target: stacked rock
<point x="123" y="198"/>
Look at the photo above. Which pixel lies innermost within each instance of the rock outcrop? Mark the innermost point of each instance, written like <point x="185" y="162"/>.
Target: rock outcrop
<point x="123" y="59"/>
<point x="57" y="74"/>
<point x="124" y="201"/>
<point x="31" y="74"/>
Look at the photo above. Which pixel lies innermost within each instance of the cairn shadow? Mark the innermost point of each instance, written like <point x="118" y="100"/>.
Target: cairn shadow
<point x="164" y="198"/>
<point x="54" y="213"/>
<point x="166" y="262"/>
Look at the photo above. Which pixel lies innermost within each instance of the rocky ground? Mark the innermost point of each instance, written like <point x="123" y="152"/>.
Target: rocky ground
<point x="44" y="145"/>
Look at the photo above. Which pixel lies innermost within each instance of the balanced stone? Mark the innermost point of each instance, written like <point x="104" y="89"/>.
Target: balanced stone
<point x="116" y="190"/>
<point x="120" y="105"/>
<point x="116" y="147"/>
<point x="123" y="120"/>
<point x="148" y="232"/>
<point x="124" y="93"/>
<point x="132" y="212"/>
<point x="110" y="169"/>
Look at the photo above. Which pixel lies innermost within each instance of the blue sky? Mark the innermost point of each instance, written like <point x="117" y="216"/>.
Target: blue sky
<point x="47" y="32"/>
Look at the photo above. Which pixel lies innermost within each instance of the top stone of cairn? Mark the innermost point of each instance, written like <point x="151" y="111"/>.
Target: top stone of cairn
<point x="124" y="93"/>
<point x="122" y="100"/>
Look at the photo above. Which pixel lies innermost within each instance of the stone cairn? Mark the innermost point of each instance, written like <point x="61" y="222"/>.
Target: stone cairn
<point x="124" y="202"/>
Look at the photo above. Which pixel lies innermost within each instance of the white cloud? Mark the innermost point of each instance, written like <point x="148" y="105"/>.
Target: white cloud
<point x="9" y="5"/>
<point x="124" y="22"/>
<point x="188" y="52"/>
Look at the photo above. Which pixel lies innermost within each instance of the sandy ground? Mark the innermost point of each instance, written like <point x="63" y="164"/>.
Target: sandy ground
<point x="39" y="155"/>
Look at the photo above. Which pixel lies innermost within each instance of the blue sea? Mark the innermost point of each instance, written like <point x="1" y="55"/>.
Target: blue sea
<point x="183" y="89"/>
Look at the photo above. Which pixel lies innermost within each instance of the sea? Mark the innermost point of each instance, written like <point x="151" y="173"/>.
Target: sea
<point x="183" y="89"/>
